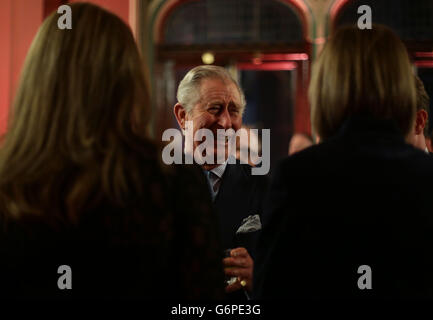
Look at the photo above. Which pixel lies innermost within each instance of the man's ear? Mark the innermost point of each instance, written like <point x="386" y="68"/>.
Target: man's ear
<point x="421" y="119"/>
<point x="180" y="113"/>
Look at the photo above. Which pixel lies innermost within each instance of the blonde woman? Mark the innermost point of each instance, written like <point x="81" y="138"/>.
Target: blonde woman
<point x="81" y="186"/>
<point x="350" y="217"/>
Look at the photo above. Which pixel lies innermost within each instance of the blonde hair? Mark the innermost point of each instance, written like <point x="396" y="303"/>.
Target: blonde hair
<point x="362" y="72"/>
<point x="78" y="118"/>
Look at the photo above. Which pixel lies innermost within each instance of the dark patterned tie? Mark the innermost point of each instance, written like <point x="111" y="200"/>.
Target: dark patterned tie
<point x="215" y="182"/>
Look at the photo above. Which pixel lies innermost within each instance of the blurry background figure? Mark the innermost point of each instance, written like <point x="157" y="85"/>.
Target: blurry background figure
<point x="419" y="133"/>
<point x="81" y="184"/>
<point x="299" y="141"/>
<point x="247" y="150"/>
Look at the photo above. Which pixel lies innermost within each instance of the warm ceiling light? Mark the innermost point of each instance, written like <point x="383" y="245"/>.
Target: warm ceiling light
<point x="208" y="58"/>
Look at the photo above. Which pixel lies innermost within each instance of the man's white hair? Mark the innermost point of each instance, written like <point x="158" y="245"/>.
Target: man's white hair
<point x="188" y="92"/>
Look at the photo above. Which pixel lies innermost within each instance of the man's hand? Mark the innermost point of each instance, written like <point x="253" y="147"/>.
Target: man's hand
<point x="239" y="265"/>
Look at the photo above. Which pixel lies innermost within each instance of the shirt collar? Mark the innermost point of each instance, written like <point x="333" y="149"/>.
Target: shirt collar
<point x="219" y="171"/>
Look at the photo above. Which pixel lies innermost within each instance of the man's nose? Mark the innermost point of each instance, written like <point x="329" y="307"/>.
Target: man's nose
<point x="224" y="119"/>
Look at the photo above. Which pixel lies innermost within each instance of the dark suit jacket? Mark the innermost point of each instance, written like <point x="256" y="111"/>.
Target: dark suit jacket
<point x="359" y="198"/>
<point x="240" y="195"/>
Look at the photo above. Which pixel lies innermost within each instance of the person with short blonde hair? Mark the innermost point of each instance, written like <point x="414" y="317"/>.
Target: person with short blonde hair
<point x="371" y="79"/>
<point x="349" y="218"/>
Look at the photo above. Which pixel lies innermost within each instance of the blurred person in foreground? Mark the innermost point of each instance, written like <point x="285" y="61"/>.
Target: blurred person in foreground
<point x="82" y="186"/>
<point x="420" y="130"/>
<point x="369" y="231"/>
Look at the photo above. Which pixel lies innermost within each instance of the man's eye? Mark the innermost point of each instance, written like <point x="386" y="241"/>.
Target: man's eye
<point x="215" y="108"/>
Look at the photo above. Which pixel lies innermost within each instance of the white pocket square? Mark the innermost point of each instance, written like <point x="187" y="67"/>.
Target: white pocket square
<point x="250" y="224"/>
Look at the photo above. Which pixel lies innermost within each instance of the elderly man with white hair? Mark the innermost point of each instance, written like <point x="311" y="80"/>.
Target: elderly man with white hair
<point x="211" y="99"/>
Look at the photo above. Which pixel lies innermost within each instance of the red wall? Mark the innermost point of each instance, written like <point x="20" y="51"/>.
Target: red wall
<point x="5" y="60"/>
<point x="19" y="21"/>
<point x="26" y="18"/>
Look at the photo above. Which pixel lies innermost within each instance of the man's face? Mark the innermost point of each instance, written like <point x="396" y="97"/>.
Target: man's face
<point x="219" y="107"/>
